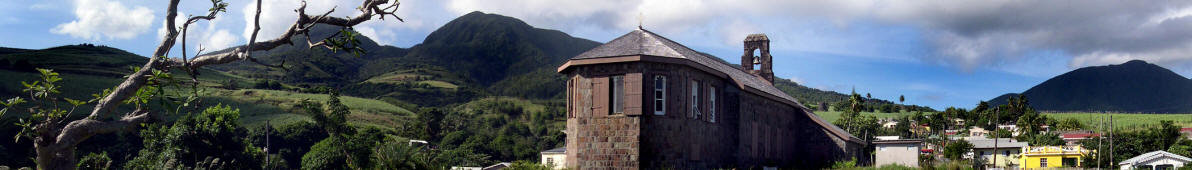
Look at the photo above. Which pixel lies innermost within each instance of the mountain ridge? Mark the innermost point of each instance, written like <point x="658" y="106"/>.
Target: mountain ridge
<point x="1133" y="86"/>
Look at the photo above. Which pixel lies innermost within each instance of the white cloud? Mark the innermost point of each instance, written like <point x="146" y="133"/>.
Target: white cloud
<point x="98" y="19"/>
<point x="218" y="40"/>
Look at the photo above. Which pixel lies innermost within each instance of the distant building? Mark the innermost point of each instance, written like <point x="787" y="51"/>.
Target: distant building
<point x="554" y="158"/>
<point x="1187" y="132"/>
<point x="1073" y="138"/>
<point x="1155" y="160"/>
<point x="977" y="131"/>
<point x="642" y="101"/>
<point x="1005" y="149"/>
<point x="890" y="124"/>
<point x="897" y="151"/>
<point x="1052" y="156"/>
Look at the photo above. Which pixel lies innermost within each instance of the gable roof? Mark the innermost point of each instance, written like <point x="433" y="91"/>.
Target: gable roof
<point x="1152" y="155"/>
<point x="641" y="42"/>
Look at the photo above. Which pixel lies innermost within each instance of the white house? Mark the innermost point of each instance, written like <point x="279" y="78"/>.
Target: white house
<point x="554" y="158"/>
<point x="1004" y="150"/>
<point x="1155" y="160"/>
<point x="897" y="151"/>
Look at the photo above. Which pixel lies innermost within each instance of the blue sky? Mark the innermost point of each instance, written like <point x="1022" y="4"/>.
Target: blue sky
<point x="936" y="53"/>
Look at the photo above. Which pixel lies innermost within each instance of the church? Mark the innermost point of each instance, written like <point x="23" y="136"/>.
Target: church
<point x="642" y="101"/>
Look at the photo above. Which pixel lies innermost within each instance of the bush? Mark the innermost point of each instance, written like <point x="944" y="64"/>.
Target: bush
<point x="956" y="149"/>
<point x="212" y="138"/>
<point x="395" y="154"/>
<point x="95" y="161"/>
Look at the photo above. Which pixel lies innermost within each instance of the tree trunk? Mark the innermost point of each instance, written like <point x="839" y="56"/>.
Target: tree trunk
<point x="52" y="158"/>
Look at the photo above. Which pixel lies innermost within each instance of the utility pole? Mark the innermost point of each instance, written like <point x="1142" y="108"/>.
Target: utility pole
<point x="997" y="114"/>
<point x="1100" y="137"/>
<point x="1111" y="140"/>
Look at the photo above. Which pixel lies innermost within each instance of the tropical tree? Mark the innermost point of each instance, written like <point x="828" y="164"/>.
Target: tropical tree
<point x="955" y="150"/>
<point x="55" y="135"/>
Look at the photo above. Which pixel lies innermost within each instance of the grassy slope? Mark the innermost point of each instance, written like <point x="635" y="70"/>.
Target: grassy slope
<point x="526" y="105"/>
<point x="279" y="107"/>
<point x="1121" y="120"/>
<point x="256" y="105"/>
<point x="831" y="116"/>
<point x="1125" y="120"/>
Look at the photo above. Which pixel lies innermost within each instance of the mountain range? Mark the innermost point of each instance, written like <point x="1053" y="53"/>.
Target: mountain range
<point x="1134" y="87"/>
<point x="475" y="55"/>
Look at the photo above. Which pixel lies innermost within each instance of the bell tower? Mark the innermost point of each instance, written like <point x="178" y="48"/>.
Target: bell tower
<point x="761" y="44"/>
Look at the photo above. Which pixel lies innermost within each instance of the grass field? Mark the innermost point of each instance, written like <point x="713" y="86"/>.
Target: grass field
<point x="1125" y="120"/>
<point x="256" y="106"/>
<point x="1121" y="120"/>
<point x="431" y="78"/>
<point x="527" y="105"/>
<point x="833" y="115"/>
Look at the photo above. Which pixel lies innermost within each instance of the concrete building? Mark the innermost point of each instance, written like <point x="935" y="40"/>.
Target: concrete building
<point x="1052" y="156"/>
<point x="642" y="101"/>
<point x="903" y="152"/>
<point x="1156" y="160"/>
<point x="554" y="158"/>
<point x="1005" y="149"/>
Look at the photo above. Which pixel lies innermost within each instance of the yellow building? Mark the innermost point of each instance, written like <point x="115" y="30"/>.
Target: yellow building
<point x="1051" y="156"/>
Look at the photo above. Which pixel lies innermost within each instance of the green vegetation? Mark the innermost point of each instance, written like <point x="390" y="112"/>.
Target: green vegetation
<point x="211" y="139"/>
<point x="1131" y="142"/>
<point x="831" y="116"/>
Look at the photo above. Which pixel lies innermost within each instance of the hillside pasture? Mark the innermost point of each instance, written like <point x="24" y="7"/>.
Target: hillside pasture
<point x="1124" y="120"/>
<point x="831" y="116"/>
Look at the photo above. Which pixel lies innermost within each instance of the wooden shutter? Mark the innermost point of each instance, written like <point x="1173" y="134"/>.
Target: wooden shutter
<point x="600" y="97"/>
<point x="633" y="93"/>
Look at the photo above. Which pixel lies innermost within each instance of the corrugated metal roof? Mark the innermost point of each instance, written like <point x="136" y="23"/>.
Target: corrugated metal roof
<point x="641" y="42"/>
<point x="556" y="150"/>
<point x="1152" y="155"/>
<point x="1001" y="143"/>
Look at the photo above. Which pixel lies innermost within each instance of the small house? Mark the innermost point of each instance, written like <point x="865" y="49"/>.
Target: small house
<point x="1155" y="160"/>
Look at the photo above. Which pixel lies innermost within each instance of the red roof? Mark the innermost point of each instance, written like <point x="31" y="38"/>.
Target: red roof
<point x="1185" y="129"/>
<point x="1080" y="135"/>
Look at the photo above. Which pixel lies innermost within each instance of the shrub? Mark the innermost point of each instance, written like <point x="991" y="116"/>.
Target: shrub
<point x="95" y="161"/>
<point x="212" y="138"/>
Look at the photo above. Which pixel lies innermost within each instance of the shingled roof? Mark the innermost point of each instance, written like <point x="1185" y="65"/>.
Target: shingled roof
<point x="642" y="42"/>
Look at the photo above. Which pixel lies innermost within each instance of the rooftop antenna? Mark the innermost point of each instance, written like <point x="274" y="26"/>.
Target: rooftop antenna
<point x="639" y="20"/>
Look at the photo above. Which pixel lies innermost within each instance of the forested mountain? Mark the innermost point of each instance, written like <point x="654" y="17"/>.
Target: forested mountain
<point x="1134" y="86"/>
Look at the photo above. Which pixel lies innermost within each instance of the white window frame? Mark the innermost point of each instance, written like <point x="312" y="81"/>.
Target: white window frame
<point x="660" y="95"/>
<point x="712" y="104"/>
<point x="695" y="99"/>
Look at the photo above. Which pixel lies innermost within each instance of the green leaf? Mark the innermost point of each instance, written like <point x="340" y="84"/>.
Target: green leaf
<point x="75" y="102"/>
<point x="13" y="101"/>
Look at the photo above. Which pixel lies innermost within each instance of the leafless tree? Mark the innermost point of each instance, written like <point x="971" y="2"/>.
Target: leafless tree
<point x="55" y="139"/>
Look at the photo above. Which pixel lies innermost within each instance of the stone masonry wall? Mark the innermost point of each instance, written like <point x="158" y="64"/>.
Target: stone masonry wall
<point x="597" y="138"/>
